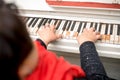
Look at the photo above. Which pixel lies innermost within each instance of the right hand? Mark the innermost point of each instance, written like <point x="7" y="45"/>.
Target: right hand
<point x="88" y="35"/>
<point x="47" y="34"/>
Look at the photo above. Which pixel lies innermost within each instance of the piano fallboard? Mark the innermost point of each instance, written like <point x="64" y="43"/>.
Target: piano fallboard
<point x="72" y="46"/>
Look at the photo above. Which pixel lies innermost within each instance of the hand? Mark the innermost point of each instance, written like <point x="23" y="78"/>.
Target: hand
<point x="47" y="34"/>
<point x="88" y="35"/>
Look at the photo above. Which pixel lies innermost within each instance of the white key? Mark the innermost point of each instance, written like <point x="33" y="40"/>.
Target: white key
<point x="60" y="31"/>
<point x="76" y="26"/>
<point x="112" y="36"/>
<point x="88" y="25"/>
<point x="28" y="26"/>
<point x="108" y="35"/>
<point x="97" y="30"/>
<point x="27" y="23"/>
<point x="111" y="39"/>
<point x="68" y="33"/>
<point x="103" y="29"/>
<point x="64" y="32"/>
<point x="33" y="26"/>
<point x="115" y="35"/>
<point x="52" y="22"/>
<point x="103" y="32"/>
<point x="119" y="39"/>
<point x="93" y="25"/>
<point x="98" y="25"/>
<point x="57" y="23"/>
<point x="34" y="31"/>
<point x="74" y="33"/>
<point x="81" y="28"/>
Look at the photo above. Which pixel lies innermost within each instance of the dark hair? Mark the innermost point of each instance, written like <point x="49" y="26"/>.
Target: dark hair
<point x="15" y="43"/>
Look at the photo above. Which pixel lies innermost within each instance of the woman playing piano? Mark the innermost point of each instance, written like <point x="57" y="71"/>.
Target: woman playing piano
<point x="22" y="59"/>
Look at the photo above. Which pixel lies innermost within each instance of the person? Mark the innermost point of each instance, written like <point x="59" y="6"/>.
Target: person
<point x="21" y="58"/>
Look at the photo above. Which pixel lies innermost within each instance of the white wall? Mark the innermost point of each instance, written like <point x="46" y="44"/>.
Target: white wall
<point x="31" y="4"/>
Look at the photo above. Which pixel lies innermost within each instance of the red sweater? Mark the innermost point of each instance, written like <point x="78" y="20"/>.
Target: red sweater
<point x="50" y="67"/>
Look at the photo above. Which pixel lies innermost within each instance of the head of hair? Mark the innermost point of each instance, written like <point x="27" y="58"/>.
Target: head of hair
<point x="15" y="43"/>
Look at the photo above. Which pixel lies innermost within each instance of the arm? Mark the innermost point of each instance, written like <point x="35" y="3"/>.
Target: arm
<point x="63" y="67"/>
<point x="47" y="35"/>
<point x="90" y="60"/>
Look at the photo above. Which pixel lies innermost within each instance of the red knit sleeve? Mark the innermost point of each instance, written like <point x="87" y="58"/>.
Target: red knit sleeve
<point x="50" y="67"/>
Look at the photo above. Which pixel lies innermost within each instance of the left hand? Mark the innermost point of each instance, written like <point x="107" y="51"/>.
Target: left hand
<point x="88" y="35"/>
<point x="47" y="34"/>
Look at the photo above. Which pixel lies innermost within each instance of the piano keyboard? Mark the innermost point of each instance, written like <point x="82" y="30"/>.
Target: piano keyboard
<point x="108" y="46"/>
<point x="70" y="29"/>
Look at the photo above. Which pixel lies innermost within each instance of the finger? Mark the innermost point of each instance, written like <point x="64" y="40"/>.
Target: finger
<point x="42" y="27"/>
<point x="98" y="33"/>
<point x="92" y="29"/>
<point x="58" y="36"/>
<point x="35" y="30"/>
<point x="52" y="27"/>
<point x="84" y="29"/>
<point x="47" y="25"/>
<point x="99" y="37"/>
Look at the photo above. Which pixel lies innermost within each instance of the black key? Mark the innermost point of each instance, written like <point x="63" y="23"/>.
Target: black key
<point x="27" y="19"/>
<point x="80" y="25"/>
<point x="85" y="23"/>
<point x="45" y="21"/>
<point x="31" y="22"/>
<point x="49" y="21"/>
<point x="73" y="25"/>
<point x="68" y="27"/>
<point x="55" y="21"/>
<point x="118" y="30"/>
<point x="111" y="29"/>
<point x="96" y="26"/>
<point x="35" y="21"/>
<point x="91" y="25"/>
<point x="64" y="26"/>
<point x="100" y="27"/>
<point x="106" y="29"/>
<point x="39" y="25"/>
<point x="58" y="24"/>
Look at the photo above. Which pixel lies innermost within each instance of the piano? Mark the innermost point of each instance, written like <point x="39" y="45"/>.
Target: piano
<point x="70" y="22"/>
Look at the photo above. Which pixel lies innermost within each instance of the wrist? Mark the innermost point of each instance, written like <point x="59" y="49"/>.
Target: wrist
<point x="45" y="42"/>
<point x="83" y="41"/>
<point x="42" y="42"/>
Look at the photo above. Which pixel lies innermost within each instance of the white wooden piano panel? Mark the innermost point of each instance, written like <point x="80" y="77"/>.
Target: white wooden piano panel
<point x="100" y="1"/>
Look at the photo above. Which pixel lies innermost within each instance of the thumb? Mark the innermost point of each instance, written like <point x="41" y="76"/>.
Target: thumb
<point x="58" y="36"/>
<point x="98" y="36"/>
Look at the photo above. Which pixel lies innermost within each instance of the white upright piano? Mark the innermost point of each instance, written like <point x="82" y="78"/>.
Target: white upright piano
<point x="72" y="16"/>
